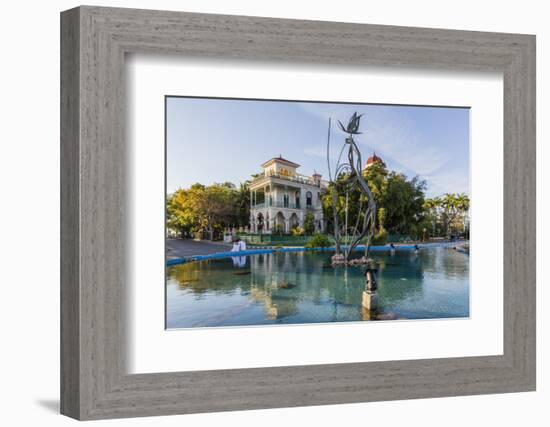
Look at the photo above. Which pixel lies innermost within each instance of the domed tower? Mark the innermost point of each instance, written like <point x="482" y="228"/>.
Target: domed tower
<point x="372" y="160"/>
<point x="316" y="178"/>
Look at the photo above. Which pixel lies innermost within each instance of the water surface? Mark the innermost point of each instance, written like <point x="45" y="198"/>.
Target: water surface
<point x="301" y="287"/>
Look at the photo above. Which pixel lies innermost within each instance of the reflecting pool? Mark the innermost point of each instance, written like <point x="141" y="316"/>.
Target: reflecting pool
<point x="302" y="287"/>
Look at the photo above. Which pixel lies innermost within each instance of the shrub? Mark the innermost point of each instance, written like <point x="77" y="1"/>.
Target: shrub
<point x="380" y="238"/>
<point x="297" y="231"/>
<point x="318" y="241"/>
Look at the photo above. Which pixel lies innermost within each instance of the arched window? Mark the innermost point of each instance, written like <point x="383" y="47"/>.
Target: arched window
<point x="309" y="196"/>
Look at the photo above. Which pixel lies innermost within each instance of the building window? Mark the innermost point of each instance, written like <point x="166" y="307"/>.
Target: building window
<point x="309" y="196"/>
<point x="297" y="200"/>
<point x="270" y="200"/>
<point x="285" y="200"/>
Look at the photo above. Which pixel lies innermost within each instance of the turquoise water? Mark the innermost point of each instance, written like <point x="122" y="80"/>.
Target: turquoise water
<point x="301" y="287"/>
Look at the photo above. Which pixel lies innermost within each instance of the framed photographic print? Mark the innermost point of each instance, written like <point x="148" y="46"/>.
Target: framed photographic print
<point x="324" y="212"/>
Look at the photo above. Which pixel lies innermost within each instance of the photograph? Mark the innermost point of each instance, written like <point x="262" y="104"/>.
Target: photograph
<point x="297" y="212"/>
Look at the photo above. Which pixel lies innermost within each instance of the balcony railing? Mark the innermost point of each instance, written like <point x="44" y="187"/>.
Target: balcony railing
<point x="276" y="204"/>
<point x="300" y="179"/>
<point x="289" y="205"/>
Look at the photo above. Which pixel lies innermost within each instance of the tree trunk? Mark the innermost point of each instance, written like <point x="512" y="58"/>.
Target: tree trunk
<point x="210" y="230"/>
<point x="336" y="225"/>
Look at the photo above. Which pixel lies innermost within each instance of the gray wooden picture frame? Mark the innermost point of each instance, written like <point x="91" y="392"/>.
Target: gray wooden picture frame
<point x="94" y="381"/>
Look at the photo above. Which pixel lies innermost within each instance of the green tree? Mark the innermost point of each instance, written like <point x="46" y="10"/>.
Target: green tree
<point x="381" y="217"/>
<point x="179" y="215"/>
<point x="226" y="184"/>
<point x="309" y="223"/>
<point x="183" y="209"/>
<point x="447" y="212"/>
<point x="403" y="202"/>
<point x="318" y="240"/>
<point x="452" y="207"/>
<point x="376" y="176"/>
<point x="218" y="208"/>
<point x="431" y="208"/>
<point x="202" y="208"/>
<point x="463" y="202"/>
<point x="399" y="201"/>
<point x="353" y="201"/>
<point x="243" y="204"/>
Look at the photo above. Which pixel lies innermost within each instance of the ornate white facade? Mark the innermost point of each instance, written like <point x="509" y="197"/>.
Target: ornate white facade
<point x="280" y="198"/>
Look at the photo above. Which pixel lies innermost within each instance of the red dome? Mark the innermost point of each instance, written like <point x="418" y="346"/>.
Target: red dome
<point x="373" y="159"/>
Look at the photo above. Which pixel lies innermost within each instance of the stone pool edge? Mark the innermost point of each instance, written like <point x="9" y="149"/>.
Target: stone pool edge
<point x="229" y="254"/>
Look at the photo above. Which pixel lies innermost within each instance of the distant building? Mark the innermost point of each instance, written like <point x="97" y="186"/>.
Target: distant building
<point x="280" y="198"/>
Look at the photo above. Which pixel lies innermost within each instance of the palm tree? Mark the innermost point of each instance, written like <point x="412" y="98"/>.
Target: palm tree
<point x="453" y="205"/>
<point x="463" y="204"/>
<point x="432" y="205"/>
<point x="450" y="210"/>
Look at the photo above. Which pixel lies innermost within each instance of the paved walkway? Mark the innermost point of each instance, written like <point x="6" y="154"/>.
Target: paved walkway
<point x="180" y="248"/>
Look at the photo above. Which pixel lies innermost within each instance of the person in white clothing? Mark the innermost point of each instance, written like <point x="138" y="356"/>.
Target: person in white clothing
<point x="238" y="245"/>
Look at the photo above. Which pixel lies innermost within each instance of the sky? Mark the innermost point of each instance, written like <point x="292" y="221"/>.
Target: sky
<point x="217" y="140"/>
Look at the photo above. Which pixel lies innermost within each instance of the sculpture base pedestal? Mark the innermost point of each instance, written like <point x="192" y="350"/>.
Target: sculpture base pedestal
<point x="370" y="300"/>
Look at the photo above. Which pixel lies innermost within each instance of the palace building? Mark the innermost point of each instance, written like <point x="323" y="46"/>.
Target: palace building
<point x="280" y="198"/>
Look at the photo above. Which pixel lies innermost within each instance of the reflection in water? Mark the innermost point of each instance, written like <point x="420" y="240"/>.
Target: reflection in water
<point x="298" y="287"/>
<point x="239" y="261"/>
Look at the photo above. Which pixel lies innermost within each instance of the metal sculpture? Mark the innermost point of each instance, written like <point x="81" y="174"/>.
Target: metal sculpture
<point x="348" y="176"/>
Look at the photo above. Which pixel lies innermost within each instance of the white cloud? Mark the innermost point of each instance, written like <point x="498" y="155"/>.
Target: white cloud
<point x="447" y="183"/>
<point x="395" y="139"/>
